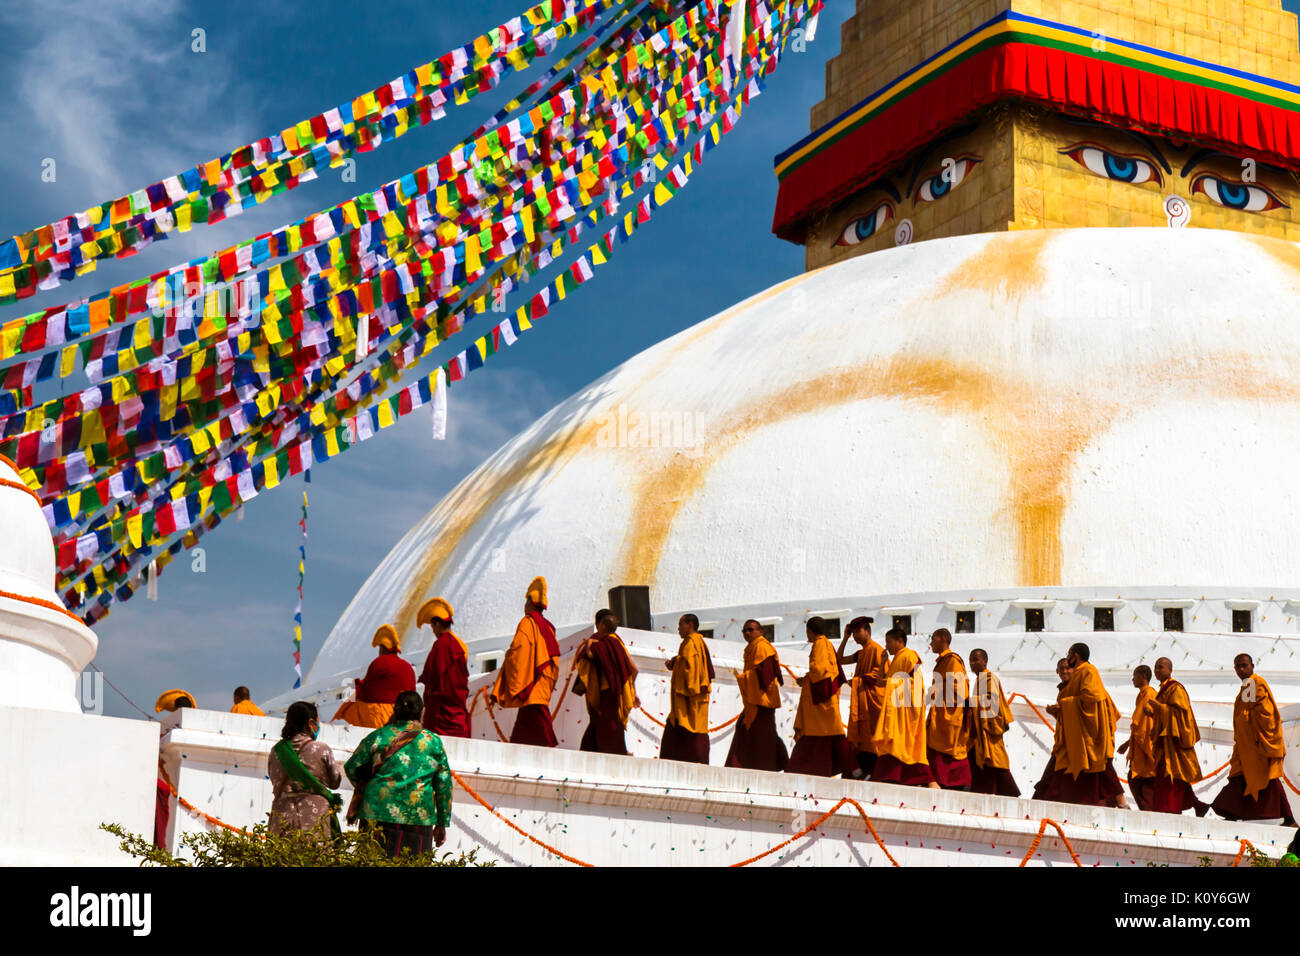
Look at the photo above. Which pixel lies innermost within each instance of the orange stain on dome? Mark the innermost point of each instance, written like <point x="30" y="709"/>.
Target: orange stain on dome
<point x="475" y="497"/>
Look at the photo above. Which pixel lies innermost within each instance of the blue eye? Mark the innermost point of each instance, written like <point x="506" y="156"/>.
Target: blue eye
<point x="865" y="227"/>
<point x="1104" y="163"/>
<point x="1121" y="167"/>
<point x="945" y="181"/>
<point x="1223" y="192"/>
<point x="1233" y="194"/>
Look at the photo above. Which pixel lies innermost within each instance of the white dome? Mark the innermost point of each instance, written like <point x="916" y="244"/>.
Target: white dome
<point x="26" y="548"/>
<point x="1088" y="407"/>
<point x="42" y="647"/>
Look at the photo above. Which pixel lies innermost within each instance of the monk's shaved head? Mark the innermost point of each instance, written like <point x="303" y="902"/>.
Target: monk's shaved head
<point x="1164" y="669"/>
<point x="1244" y="665"/>
<point x="1141" y="676"/>
<point x="979" y="660"/>
<point x="940" y="640"/>
<point x="895" y="640"/>
<point x="1079" y="651"/>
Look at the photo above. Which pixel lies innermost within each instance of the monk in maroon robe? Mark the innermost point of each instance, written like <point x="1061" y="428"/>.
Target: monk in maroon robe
<point x="607" y="678"/>
<point x="529" y="673"/>
<point x="446" y="674"/>
<point x="755" y="744"/>
<point x="1063" y="673"/>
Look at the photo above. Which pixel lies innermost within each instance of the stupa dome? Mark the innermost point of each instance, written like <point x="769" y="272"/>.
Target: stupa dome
<point x="1086" y="407"/>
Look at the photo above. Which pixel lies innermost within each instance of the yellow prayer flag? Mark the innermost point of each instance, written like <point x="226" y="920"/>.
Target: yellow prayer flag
<point x="134" y="530"/>
<point x="68" y="361"/>
<point x="271" y="471"/>
<point x="385" y="414"/>
<point x="473" y="262"/>
<point x="168" y="405"/>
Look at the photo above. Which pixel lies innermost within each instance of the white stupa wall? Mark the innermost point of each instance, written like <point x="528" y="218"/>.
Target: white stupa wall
<point x="65" y="774"/>
<point x="621" y="810"/>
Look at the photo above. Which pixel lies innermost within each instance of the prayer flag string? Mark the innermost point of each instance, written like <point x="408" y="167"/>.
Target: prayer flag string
<point x="302" y="573"/>
<point x="220" y="378"/>
<point x="245" y="177"/>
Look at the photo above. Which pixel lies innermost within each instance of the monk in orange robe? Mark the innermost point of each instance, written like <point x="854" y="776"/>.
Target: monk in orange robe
<point x="686" y="731"/>
<point x="755" y="744"/>
<point x="866" y="693"/>
<point x="1084" y="771"/>
<point x="1174" y="735"/>
<point x="1063" y="673"/>
<point x="899" y="737"/>
<point x="386" y="677"/>
<point x="947" y="726"/>
<point x="244" y="704"/>
<point x="1254" y="788"/>
<point x="529" y="673"/>
<point x="1140" y="746"/>
<point x="446" y="673"/>
<point x="990" y="767"/>
<point x="607" y="678"/>
<point x="820" y="746"/>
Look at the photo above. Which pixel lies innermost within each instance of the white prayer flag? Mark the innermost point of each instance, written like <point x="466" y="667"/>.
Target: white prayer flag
<point x="439" y="414"/>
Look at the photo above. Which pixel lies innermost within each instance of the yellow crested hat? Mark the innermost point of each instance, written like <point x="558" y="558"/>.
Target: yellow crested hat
<point x="434" y="607"/>
<point x="169" y="699"/>
<point x="537" y="591"/>
<point x="387" y="637"/>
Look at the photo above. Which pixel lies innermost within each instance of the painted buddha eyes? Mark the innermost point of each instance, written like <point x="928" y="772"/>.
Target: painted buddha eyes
<point x="1112" y="165"/>
<point x="1234" y="195"/>
<point x="944" y="181"/>
<point x="866" y="226"/>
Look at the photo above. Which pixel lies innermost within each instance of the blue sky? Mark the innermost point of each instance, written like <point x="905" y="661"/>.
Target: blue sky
<point x="113" y="93"/>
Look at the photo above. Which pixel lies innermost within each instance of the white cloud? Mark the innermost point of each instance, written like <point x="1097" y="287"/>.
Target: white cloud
<point x="99" y="82"/>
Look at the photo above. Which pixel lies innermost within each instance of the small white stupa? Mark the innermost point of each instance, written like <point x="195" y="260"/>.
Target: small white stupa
<point x="66" y="771"/>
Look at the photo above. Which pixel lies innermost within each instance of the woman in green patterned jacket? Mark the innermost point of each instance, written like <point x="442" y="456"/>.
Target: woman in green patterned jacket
<point x="401" y="781"/>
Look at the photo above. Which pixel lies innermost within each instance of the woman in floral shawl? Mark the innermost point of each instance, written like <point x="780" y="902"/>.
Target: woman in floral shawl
<point x="401" y="781"/>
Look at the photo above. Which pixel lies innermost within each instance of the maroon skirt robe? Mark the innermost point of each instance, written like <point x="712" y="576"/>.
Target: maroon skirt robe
<point x="533" y="726"/>
<point x="994" y="780"/>
<point x="758" y="746"/>
<point x="680" y="744"/>
<point x="1271" y="803"/>
<point x="889" y="769"/>
<point x="821" y="756"/>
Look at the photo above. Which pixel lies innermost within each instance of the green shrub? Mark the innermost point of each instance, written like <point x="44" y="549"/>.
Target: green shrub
<point x="257" y="847"/>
